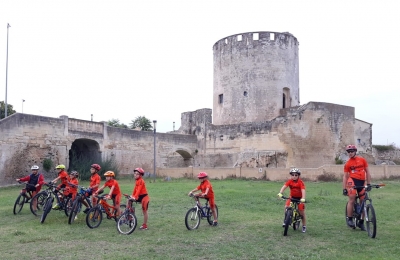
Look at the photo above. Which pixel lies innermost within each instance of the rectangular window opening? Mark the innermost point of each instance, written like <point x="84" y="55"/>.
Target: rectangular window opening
<point x="239" y="38"/>
<point x="272" y="36"/>
<point x="226" y="41"/>
<point x="255" y="36"/>
<point x="221" y="98"/>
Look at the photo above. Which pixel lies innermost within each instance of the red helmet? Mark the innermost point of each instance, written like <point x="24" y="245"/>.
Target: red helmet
<point x="139" y="170"/>
<point x="351" y="147"/>
<point x="202" y="175"/>
<point x="96" y="167"/>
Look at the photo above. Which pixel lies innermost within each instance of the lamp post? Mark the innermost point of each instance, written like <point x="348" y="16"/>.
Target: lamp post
<point x="5" y="112"/>
<point x="23" y="100"/>
<point x="155" y="130"/>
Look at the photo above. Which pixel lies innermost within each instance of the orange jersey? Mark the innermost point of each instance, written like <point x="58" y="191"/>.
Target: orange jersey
<point x="140" y="189"/>
<point x="113" y="182"/>
<point x="94" y="180"/>
<point x="203" y="187"/>
<point x="295" y="188"/>
<point x="356" y="167"/>
<point x="73" y="189"/>
<point x="64" y="177"/>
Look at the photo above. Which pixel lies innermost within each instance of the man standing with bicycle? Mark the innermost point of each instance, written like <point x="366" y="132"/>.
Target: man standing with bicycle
<point x="355" y="174"/>
<point x="35" y="181"/>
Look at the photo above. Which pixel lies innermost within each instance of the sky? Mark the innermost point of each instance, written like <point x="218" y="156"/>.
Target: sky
<point x="124" y="59"/>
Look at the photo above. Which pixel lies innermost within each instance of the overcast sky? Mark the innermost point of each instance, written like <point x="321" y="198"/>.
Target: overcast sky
<point x="123" y="59"/>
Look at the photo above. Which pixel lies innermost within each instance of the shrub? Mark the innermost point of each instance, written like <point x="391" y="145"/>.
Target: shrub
<point x="47" y="164"/>
<point x="384" y="148"/>
<point x="338" y="160"/>
<point x="327" y="177"/>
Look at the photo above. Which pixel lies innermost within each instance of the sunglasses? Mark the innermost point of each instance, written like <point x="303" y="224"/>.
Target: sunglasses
<point x="350" y="151"/>
<point x="294" y="175"/>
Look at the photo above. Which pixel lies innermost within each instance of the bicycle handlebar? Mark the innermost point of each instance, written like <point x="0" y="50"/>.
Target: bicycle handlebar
<point x="293" y="199"/>
<point x="372" y="186"/>
<point x="129" y="197"/>
<point x="22" y="182"/>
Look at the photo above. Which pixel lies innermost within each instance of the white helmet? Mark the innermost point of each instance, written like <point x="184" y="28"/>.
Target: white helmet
<point x="35" y="167"/>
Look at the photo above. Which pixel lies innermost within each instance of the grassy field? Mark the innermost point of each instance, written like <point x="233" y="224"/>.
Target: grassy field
<point x="250" y="218"/>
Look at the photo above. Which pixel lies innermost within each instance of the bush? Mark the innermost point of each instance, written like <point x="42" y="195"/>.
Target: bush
<point x="327" y="177"/>
<point x="82" y="165"/>
<point x="47" y="164"/>
<point x="338" y="160"/>
<point x="384" y="148"/>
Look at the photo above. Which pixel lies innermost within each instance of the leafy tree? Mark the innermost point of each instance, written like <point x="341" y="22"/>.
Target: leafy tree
<point x="116" y="123"/>
<point x="142" y="122"/>
<point x="10" y="109"/>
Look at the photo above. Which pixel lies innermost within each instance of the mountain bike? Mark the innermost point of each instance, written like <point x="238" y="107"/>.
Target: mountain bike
<point x="94" y="217"/>
<point x="83" y="195"/>
<point x="195" y="214"/>
<point x="23" y="197"/>
<point x="292" y="215"/>
<point x="366" y="209"/>
<point x="49" y="194"/>
<point x="127" y="222"/>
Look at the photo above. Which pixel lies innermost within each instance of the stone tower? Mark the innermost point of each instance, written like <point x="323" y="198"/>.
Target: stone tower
<point x="255" y="75"/>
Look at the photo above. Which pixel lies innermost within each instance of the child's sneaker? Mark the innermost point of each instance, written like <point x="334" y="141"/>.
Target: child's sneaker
<point x="215" y="223"/>
<point x="304" y="229"/>
<point x="283" y="225"/>
<point x="57" y="206"/>
<point x="143" y="227"/>
<point x="76" y="217"/>
<point x="86" y="210"/>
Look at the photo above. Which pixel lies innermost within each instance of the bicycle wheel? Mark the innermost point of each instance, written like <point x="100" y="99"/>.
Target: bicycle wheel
<point x="296" y="223"/>
<point x="37" y="203"/>
<point x="46" y="209"/>
<point x="127" y="223"/>
<point x="94" y="217"/>
<point x="288" y="220"/>
<point x="192" y="219"/>
<point x="19" y="203"/>
<point x="74" y="210"/>
<point x="210" y="217"/>
<point x="370" y="220"/>
<point x="68" y="206"/>
<point x="122" y="208"/>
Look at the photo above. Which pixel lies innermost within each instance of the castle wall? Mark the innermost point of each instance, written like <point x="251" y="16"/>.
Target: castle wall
<point x="254" y="78"/>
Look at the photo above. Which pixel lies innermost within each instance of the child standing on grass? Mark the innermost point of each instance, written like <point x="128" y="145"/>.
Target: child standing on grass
<point x="140" y="194"/>
<point x="63" y="176"/>
<point x="206" y="192"/>
<point x="94" y="184"/>
<point x="297" y="191"/>
<point x="115" y="191"/>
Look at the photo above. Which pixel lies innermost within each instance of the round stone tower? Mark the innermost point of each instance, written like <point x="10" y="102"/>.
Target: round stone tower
<point x="255" y="75"/>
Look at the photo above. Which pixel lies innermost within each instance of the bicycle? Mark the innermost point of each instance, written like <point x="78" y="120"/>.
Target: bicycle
<point x="23" y="197"/>
<point x="83" y="195"/>
<point x="94" y="217"/>
<point x="195" y="214"/>
<point x="366" y="209"/>
<point x="292" y="215"/>
<point x="127" y="222"/>
<point x="47" y="198"/>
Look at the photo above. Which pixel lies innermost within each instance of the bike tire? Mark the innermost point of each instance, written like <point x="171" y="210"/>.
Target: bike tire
<point x="74" y="210"/>
<point x="126" y="223"/>
<point x="370" y="220"/>
<point x="40" y="199"/>
<point x="19" y="204"/>
<point x="288" y="221"/>
<point x="192" y="219"/>
<point x="296" y="223"/>
<point x="210" y="217"/>
<point x="68" y="206"/>
<point x="122" y="208"/>
<point x="94" y="217"/>
<point x="46" y="209"/>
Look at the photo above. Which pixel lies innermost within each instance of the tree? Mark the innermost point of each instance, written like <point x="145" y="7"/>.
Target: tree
<point x="142" y="122"/>
<point x="10" y="109"/>
<point x="115" y="123"/>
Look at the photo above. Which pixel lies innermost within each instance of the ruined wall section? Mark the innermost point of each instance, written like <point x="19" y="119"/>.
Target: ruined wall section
<point x="363" y="136"/>
<point x="253" y="72"/>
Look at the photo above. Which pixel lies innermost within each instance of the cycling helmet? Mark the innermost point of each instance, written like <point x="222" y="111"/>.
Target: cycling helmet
<point x="35" y="167"/>
<point x="109" y="174"/>
<point x="74" y="173"/>
<point x="96" y="167"/>
<point x="295" y="170"/>
<point x="351" y="147"/>
<point x="202" y="175"/>
<point x="60" y="166"/>
<point x="139" y="170"/>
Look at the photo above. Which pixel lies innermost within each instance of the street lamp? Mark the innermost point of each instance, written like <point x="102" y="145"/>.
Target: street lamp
<point x="154" y="127"/>
<point x="5" y="112"/>
<point x="23" y="100"/>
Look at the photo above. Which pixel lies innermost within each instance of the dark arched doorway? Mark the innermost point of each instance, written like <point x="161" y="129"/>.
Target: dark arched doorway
<point x="84" y="151"/>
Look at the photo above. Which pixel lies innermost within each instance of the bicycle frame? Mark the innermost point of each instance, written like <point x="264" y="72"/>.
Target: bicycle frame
<point x="295" y="217"/>
<point x="203" y="209"/>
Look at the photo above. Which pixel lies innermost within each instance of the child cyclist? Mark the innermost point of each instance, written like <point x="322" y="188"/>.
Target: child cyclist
<point x="206" y="192"/>
<point x="94" y="184"/>
<point x="63" y="176"/>
<point x="297" y="191"/>
<point x="140" y="194"/>
<point x="36" y="180"/>
<point x="115" y="192"/>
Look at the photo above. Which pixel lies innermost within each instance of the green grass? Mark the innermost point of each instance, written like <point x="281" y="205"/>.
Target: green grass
<point x="250" y="217"/>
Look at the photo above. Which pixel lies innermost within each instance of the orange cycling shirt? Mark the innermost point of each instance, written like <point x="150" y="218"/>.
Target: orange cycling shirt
<point x="113" y="182"/>
<point x="64" y="177"/>
<point x="356" y="167"/>
<point x="74" y="188"/>
<point x="140" y="190"/>
<point x="94" y="180"/>
<point x="203" y="187"/>
<point x="295" y="188"/>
